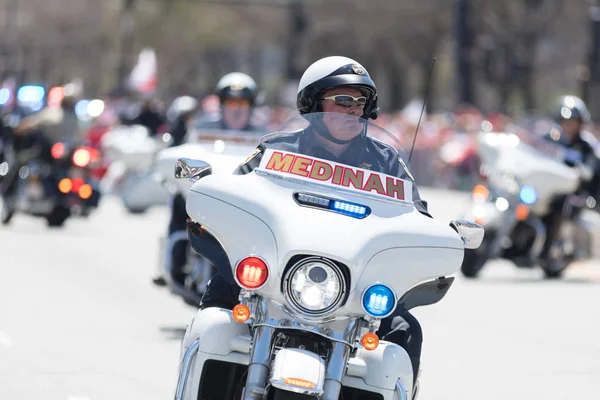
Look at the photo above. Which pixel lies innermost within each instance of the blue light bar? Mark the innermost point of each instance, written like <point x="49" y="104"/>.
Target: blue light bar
<point x="528" y="195"/>
<point x="379" y="301"/>
<point x="350" y="209"/>
<point x="338" y="206"/>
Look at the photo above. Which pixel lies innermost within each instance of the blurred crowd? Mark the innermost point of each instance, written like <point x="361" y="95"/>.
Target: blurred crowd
<point x="444" y="150"/>
<point x="444" y="153"/>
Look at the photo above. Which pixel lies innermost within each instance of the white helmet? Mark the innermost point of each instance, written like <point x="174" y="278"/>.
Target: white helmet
<point x="237" y="85"/>
<point x="331" y="72"/>
<point x="182" y="105"/>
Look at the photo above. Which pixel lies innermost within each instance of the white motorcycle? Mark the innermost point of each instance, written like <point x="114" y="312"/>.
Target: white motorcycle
<point x="322" y="251"/>
<point x="132" y="150"/>
<point x="525" y="174"/>
<point x="225" y="150"/>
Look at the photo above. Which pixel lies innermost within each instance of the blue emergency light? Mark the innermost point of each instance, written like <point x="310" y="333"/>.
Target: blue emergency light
<point x="31" y="96"/>
<point x="528" y="195"/>
<point x="379" y="301"/>
<point x="338" y="206"/>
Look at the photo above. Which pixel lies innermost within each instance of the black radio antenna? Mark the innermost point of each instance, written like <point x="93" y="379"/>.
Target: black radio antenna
<point x="430" y="78"/>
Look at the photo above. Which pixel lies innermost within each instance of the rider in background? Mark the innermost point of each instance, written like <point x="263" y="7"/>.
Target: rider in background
<point x="180" y="114"/>
<point x="149" y="116"/>
<point x="571" y="115"/>
<point x="237" y="94"/>
<point x="54" y="123"/>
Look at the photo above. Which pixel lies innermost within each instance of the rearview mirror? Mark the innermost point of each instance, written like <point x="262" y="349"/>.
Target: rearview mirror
<point x="470" y="233"/>
<point x="192" y="169"/>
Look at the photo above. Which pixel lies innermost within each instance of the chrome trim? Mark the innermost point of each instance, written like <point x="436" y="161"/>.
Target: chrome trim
<point x="362" y="298"/>
<point x="470" y="233"/>
<point x="343" y="342"/>
<point x="234" y="272"/>
<point x="191" y="169"/>
<point x="402" y="395"/>
<point x="280" y="384"/>
<point x="260" y="364"/>
<point x="261" y="318"/>
<point x="297" y="308"/>
<point x="335" y="370"/>
<point x="261" y="346"/>
<point x="262" y="172"/>
<point x="187" y="358"/>
<point x="307" y="319"/>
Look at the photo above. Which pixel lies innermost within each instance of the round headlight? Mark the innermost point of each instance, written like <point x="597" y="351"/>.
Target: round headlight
<point x="379" y="301"/>
<point x="314" y="286"/>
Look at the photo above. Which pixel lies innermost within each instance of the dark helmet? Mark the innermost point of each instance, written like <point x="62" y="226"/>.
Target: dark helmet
<point x="572" y="107"/>
<point x="237" y="85"/>
<point x="72" y="92"/>
<point x="331" y="72"/>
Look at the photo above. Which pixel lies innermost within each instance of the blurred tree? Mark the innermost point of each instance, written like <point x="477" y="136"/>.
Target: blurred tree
<point x="534" y="48"/>
<point x="512" y="30"/>
<point x="464" y="44"/>
<point x="386" y="36"/>
<point x="591" y="80"/>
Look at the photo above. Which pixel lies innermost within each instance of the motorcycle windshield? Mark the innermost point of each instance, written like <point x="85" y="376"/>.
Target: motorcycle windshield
<point x="519" y="158"/>
<point x="339" y="152"/>
<point x="549" y="146"/>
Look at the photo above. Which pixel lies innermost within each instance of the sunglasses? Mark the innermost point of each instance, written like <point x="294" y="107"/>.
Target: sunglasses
<point x="347" y="101"/>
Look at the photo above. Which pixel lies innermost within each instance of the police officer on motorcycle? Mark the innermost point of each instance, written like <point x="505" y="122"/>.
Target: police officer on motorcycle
<point x="43" y="129"/>
<point x="149" y="115"/>
<point x="56" y="124"/>
<point x="571" y="115"/>
<point x="237" y="94"/>
<point x="334" y="85"/>
<point x="181" y="112"/>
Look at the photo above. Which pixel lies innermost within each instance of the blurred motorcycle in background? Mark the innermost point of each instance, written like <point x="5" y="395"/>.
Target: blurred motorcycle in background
<point x="54" y="186"/>
<point x="525" y="175"/>
<point x="226" y="149"/>
<point x="131" y="151"/>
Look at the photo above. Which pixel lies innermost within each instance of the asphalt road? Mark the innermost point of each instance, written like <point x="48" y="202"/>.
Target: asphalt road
<point x="81" y="320"/>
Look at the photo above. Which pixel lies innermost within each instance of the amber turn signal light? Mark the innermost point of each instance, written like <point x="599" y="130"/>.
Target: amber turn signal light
<point x="241" y="313"/>
<point x="370" y="341"/>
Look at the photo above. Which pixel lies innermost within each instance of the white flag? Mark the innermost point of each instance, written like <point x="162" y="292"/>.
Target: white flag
<point x="143" y="77"/>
